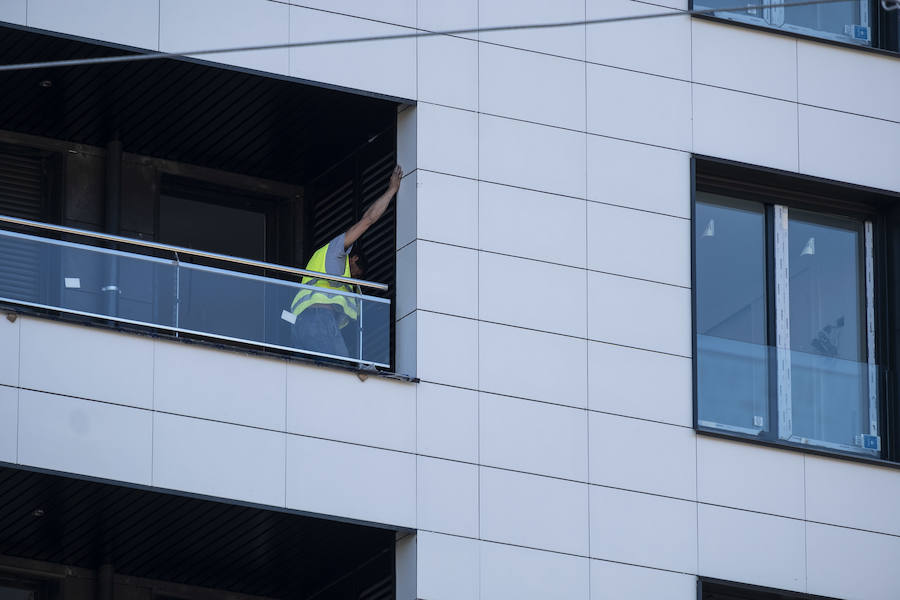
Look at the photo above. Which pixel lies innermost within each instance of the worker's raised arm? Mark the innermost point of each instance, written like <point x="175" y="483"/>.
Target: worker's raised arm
<point x="374" y="212"/>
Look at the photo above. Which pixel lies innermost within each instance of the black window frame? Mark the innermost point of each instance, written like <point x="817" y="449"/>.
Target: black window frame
<point x="885" y="30"/>
<point x="709" y="588"/>
<point x="818" y="194"/>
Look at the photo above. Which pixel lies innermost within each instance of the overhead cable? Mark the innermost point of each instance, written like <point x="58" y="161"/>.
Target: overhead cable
<point x="401" y="36"/>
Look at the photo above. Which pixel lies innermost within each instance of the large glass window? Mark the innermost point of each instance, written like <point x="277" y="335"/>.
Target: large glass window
<point x="785" y="324"/>
<point x="843" y="21"/>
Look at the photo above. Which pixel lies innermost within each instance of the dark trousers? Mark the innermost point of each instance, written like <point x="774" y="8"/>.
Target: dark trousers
<point x="316" y="330"/>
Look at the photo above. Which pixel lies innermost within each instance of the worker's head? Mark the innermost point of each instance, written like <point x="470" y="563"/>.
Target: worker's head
<point x="359" y="264"/>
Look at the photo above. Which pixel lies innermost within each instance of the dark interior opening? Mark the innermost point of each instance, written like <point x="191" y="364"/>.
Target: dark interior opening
<point x="60" y="535"/>
<point x="192" y="154"/>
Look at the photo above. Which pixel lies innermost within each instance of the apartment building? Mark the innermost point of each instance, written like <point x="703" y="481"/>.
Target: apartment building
<point x="629" y="328"/>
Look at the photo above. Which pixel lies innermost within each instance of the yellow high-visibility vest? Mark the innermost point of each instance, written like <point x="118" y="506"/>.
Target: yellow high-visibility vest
<point x="305" y="297"/>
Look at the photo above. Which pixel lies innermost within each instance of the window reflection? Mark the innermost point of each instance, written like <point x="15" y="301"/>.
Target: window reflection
<point x="829" y="390"/>
<point x="844" y="21"/>
<point x="732" y="369"/>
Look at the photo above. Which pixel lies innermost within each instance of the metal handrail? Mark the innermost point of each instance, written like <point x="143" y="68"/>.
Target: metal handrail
<point x="201" y="253"/>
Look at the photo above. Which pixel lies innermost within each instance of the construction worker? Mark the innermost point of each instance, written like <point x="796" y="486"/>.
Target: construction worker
<point x="320" y="316"/>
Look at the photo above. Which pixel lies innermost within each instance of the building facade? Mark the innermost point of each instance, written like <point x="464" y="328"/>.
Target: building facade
<point x="609" y="368"/>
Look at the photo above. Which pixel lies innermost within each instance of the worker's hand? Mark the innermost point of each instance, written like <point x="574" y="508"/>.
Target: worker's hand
<point x="396" y="176"/>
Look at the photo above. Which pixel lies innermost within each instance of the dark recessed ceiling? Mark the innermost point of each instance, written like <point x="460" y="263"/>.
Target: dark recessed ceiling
<point x="188" y="540"/>
<point x="184" y="111"/>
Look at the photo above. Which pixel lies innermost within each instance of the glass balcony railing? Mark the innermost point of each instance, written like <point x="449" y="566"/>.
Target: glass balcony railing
<point x="807" y="398"/>
<point x="188" y="297"/>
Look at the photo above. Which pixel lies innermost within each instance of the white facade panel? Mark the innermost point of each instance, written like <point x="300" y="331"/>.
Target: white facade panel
<point x="447" y="422"/>
<point x="853" y="82"/>
<point x="9" y="423"/>
<point x="447" y="496"/>
<point x="513" y="573"/>
<point x="531" y="224"/>
<point x="639" y="244"/>
<point x="385" y="67"/>
<point x="446" y="349"/>
<point x="849" y="148"/>
<point x="14" y="11"/>
<point x="534" y="437"/>
<point x="444" y="279"/>
<point x="218" y="459"/>
<point x="638" y="176"/>
<point x="355" y="482"/>
<point x="447" y="140"/>
<point x="851" y="564"/>
<point x="406" y="209"/>
<point x="517" y="362"/>
<point x="751" y="547"/>
<point x="750" y="477"/>
<point x="626" y="527"/>
<point x="531" y="156"/>
<point x="614" y="581"/>
<point x="337" y="405"/>
<point x="745" y="60"/>
<point x="219" y="385"/>
<point x="852" y="495"/>
<point x="506" y="86"/>
<point x="128" y="22"/>
<point x="447" y="209"/>
<point x="406" y="337"/>
<point x="85" y="437"/>
<point x="447" y="567"/>
<point x="186" y="25"/>
<point x="561" y="41"/>
<point x="448" y="71"/>
<point x="440" y="15"/>
<point x="640" y="314"/>
<point x="9" y="351"/>
<point x="407" y="142"/>
<point x="644" y="456"/>
<point x="533" y="511"/>
<point x="536" y="295"/>
<point x="406" y="296"/>
<point x="546" y="200"/>
<point x="92" y="363"/>
<point x="626" y="105"/>
<point x="722" y="128"/>
<point x="398" y="12"/>
<point x="657" y="46"/>
<point x="639" y="383"/>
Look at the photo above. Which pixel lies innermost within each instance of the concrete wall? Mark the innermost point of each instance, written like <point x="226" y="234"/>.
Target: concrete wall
<point x="544" y="302"/>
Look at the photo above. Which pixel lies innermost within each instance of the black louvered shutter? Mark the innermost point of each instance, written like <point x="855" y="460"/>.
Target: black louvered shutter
<point x="23" y="195"/>
<point x="380" y="590"/>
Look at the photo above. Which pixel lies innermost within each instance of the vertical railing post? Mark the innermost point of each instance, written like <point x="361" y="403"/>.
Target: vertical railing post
<point x="177" y="293"/>
<point x="359" y="356"/>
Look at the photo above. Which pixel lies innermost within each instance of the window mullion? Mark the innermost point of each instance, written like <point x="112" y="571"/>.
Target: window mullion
<point x="783" y="323"/>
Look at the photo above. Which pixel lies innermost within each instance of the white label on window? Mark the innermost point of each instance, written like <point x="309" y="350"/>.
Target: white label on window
<point x="289" y="317"/>
<point x="73" y="282"/>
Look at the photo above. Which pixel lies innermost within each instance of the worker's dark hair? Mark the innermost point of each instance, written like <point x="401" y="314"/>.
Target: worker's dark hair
<point x="362" y="260"/>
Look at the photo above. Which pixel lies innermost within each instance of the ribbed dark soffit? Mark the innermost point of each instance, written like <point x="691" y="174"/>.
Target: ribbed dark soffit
<point x="188" y="540"/>
<point x="184" y="111"/>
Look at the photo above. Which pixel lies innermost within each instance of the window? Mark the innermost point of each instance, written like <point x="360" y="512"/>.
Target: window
<point x="787" y="313"/>
<point x="861" y="22"/>
<point x="721" y="590"/>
